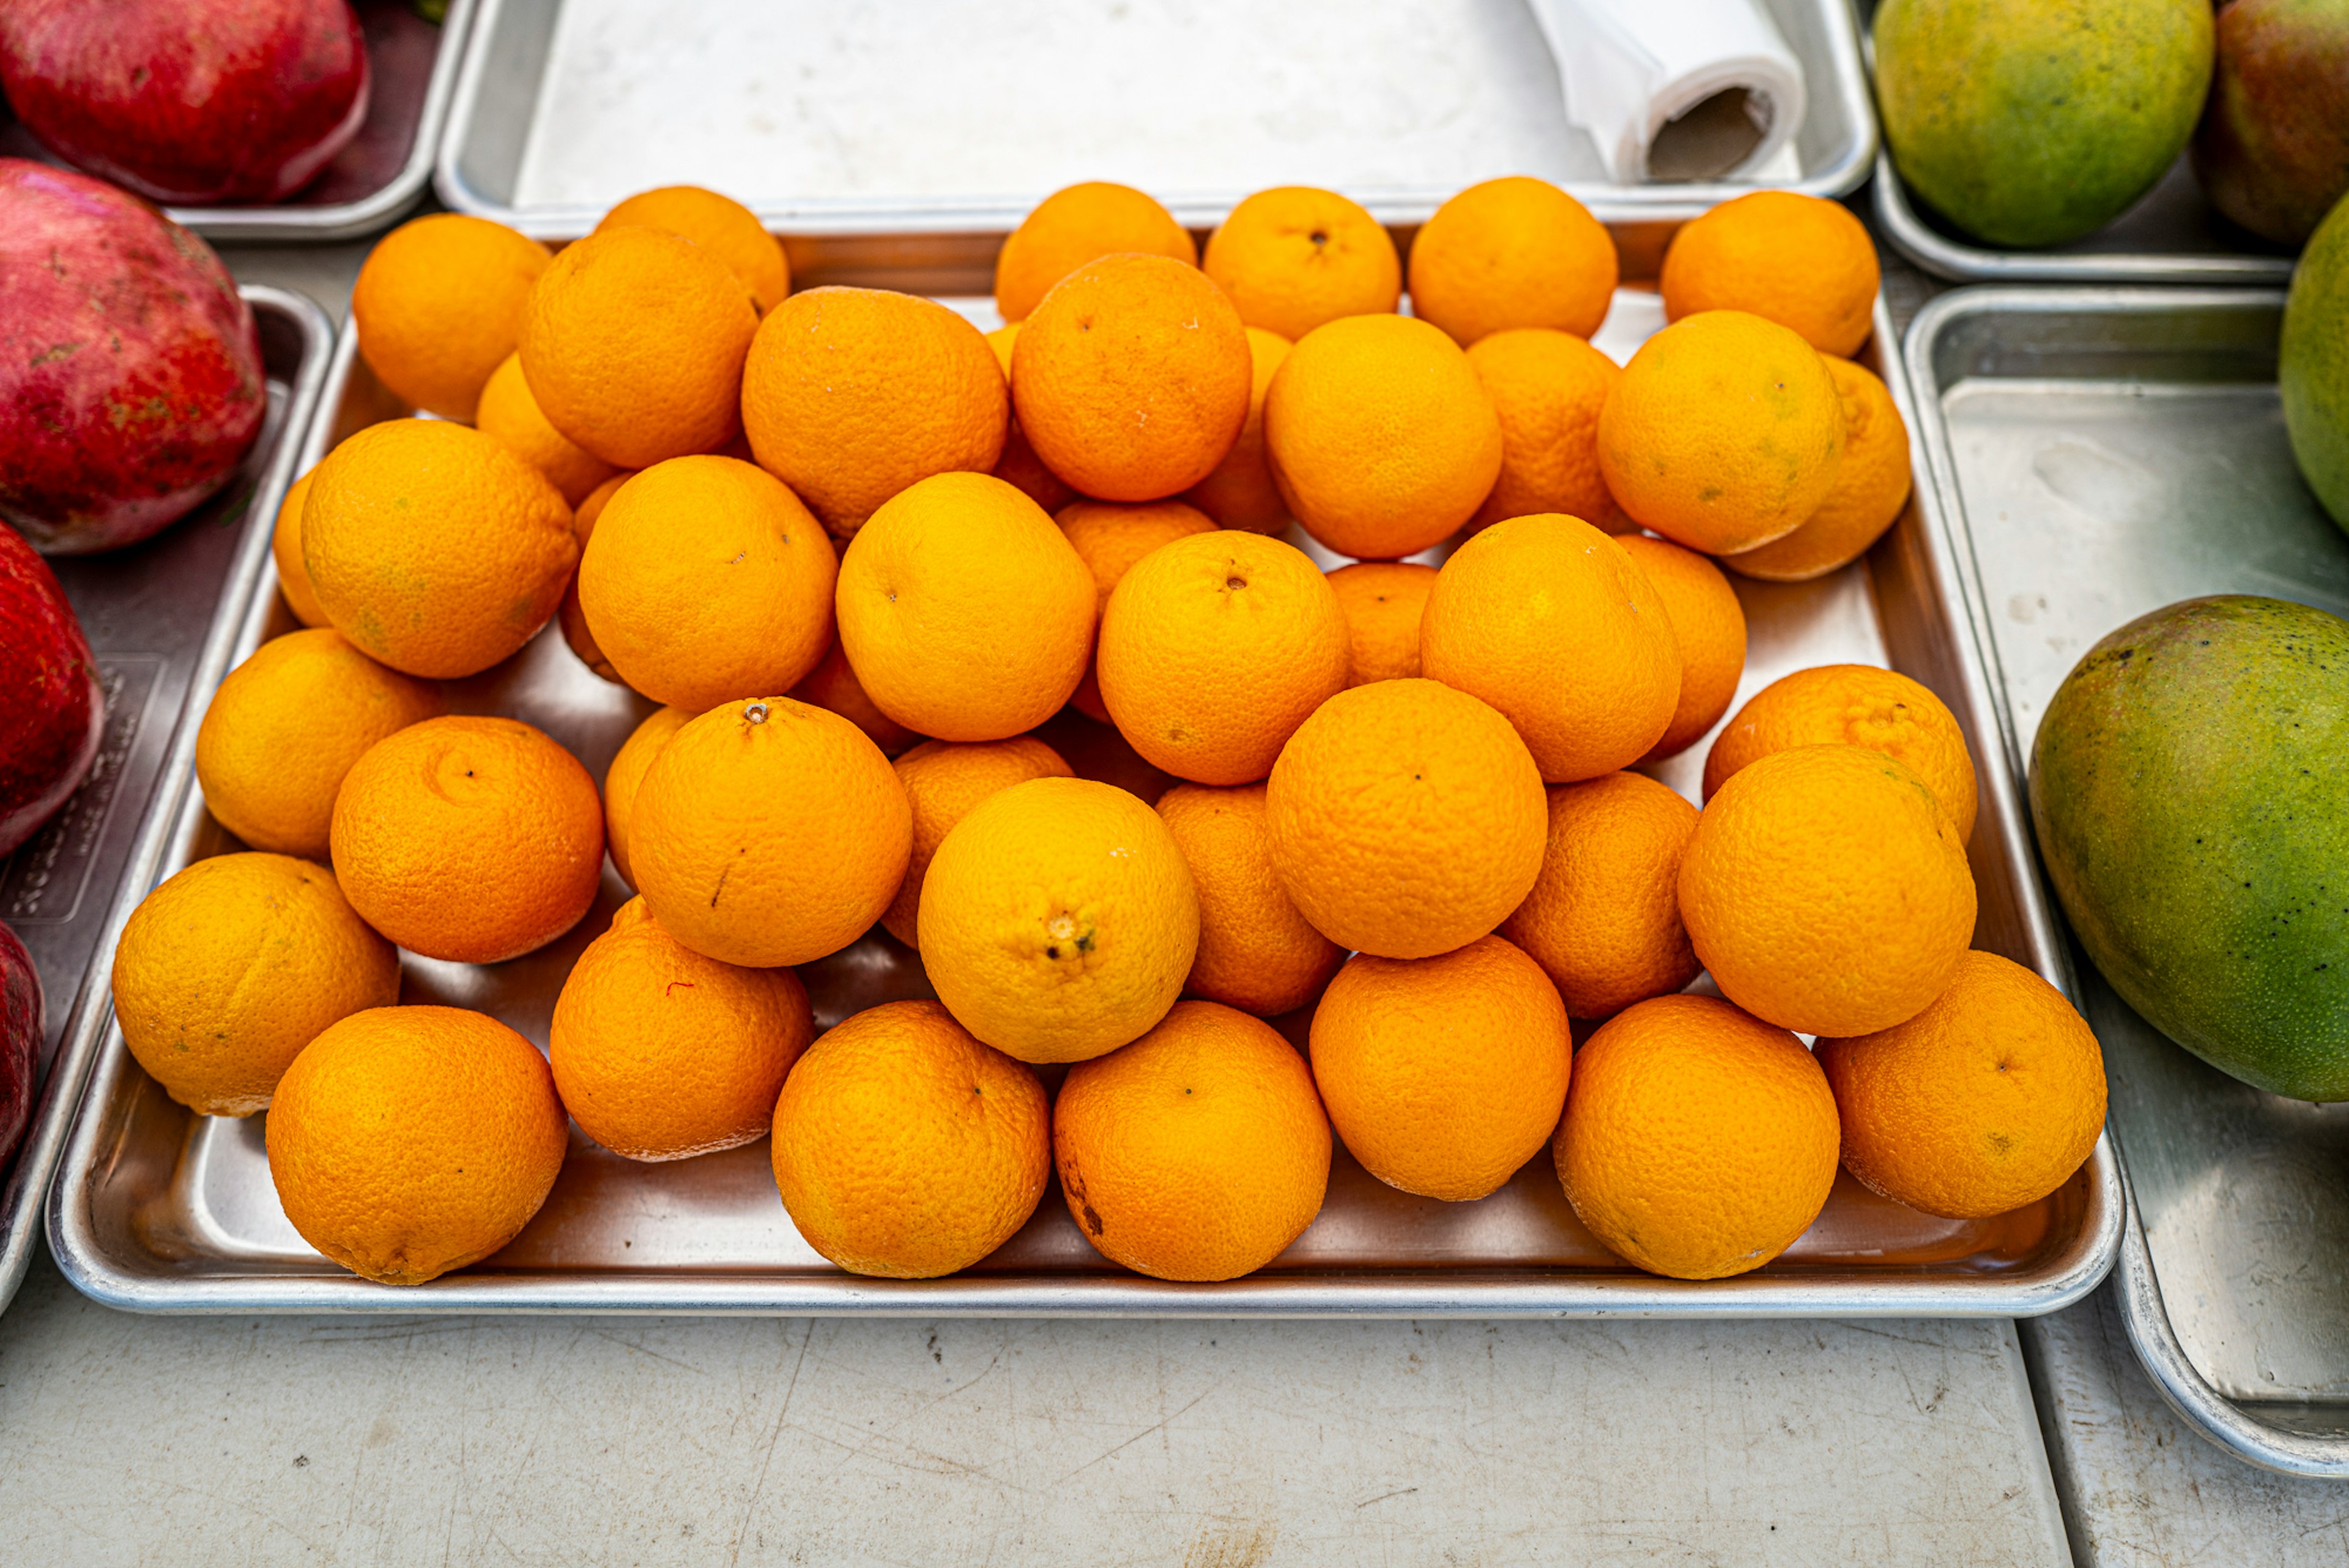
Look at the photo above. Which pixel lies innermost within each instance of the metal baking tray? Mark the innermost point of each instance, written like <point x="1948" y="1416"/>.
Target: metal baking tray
<point x="161" y="1210"/>
<point x="900" y="117"/>
<point x="161" y="617"/>
<point x="2097" y="453"/>
<point x="384" y="170"/>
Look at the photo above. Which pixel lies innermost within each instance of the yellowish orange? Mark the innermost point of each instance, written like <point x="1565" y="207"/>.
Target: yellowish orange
<point x="1079" y="224"/>
<point x="1258" y="951"/>
<point x="568" y="615"/>
<point x="1294" y="257"/>
<point x="832" y="684"/>
<point x="1853" y="705"/>
<point x="1604" y="917"/>
<point x="1871" y="489"/>
<point x="1019" y="465"/>
<point x="1547" y="389"/>
<point x="1109" y="537"/>
<point x="1383" y="601"/>
<point x="944" y="780"/>
<point x="1513" y="253"/>
<point x="724" y="227"/>
<point x="285" y="551"/>
<point x="627" y="775"/>
<point x="1802" y="262"/>
<point x="437" y="306"/>
<point x="1708" y="625"/>
<point x="510" y="413"/>
<point x="1240" y="493"/>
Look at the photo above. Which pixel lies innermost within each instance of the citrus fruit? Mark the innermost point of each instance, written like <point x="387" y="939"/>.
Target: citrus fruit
<point x="1604" y="917"/>
<point x="1256" y="951"/>
<point x="1698" y="1141"/>
<point x="1383" y="601"/>
<point x="1826" y="891"/>
<point x="906" y="1148"/>
<point x="1294" y="257"/>
<point x="1213" y="650"/>
<point x="707" y="580"/>
<point x="1871" y="486"/>
<point x="1550" y="620"/>
<point x="568" y="615"/>
<point x="1709" y="626"/>
<point x="627" y="775"/>
<point x="1801" y="262"/>
<point x="1853" y="705"/>
<point x="409" y="1141"/>
<point x="943" y="781"/>
<point x="1988" y="1100"/>
<point x="472" y="839"/>
<point x="728" y="230"/>
<point x="1382" y="439"/>
<point x="1508" y="253"/>
<point x="433" y="548"/>
<point x="632" y="343"/>
<point x="964" y="610"/>
<point x="1442" y="1075"/>
<point x="1406" y="818"/>
<point x="1132" y="378"/>
<point x="285" y="551"/>
<point x="1019" y="465"/>
<point x="1548" y="391"/>
<point x="768" y="832"/>
<point x="1199" y="1152"/>
<point x="437" y="306"/>
<point x="1076" y="224"/>
<point x="510" y="413"/>
<point x="852" y="394"/>
<point x="832" y="684"/>
<point x="1240" y="492"/>
<point x="1723" y="432"/>
<point x="1058" y="919"/>
<point x="1109" y="538"/>
<point x="229" y="968"/>
<point x="287" y="724"/>
<point x="661" y="1053"/>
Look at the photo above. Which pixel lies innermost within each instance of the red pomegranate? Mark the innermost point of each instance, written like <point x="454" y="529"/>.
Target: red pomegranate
<point x="20" y="1040"/>
<point x="51" y="709"/>
<point x="188" y="101"/>
<point x="130" y="377"/>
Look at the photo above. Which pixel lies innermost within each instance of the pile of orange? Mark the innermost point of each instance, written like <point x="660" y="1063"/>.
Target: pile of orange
<point x="812" y="529"/>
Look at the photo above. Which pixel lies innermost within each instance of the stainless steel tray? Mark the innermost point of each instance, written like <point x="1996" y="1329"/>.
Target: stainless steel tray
<point x="160" y="1211"/>
<point x="160" y="618"/>
<point x="2096" y="453"/>
<point x="385" y="170"/>
<point x="918" y="118"/>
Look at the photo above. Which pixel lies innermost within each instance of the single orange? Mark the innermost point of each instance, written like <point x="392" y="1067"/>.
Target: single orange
<point x="728" y="230"/>
<point x="285" y="552"/>
<point x="832" y="684"/>
<point x="568" y="615"/>
<point x="1019" y="465"/>
<point x="1604" y="917"/>
<point x="1801" y="262"/>
<point x="1199" y="1152"/>
<point x="1213" y="648"/>
<point x="1257" y="952"/>
<point x="1240" y="493"/>
<point x="437" y="306"/>
<point x="1109" y="538"/>
<point x="1870" y="491"/>
<point x="1513" y="253"/>
<point x="1444" y="1075"/>
<point x="1549" y="391"/>
<point x="1294" y="257"/>
<point x="1079" y="224"/>
<point x="1383" y="601"/>
<point x="1853" y="705"/>
<point x="944" y="780"/>
<point x="1698" y="1141"/>
<point x="510" y="413"/>
<point x="627" y="775"/>
<point x="1709" y="626"/>
<point x="1549" y="620"/>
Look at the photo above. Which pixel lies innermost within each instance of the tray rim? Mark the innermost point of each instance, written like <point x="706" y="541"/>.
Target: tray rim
<point x="2145" y="1316"/>
<point x="1611" y="203"/>
<point x="24" y="1200"/>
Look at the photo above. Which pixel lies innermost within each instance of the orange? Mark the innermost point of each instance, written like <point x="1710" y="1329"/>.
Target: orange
<point x="1294" y="257"/>
<point x="510" y="413"/>
<point x="1382" y="439"/>
<point x="1698" y="1141"/>
<point x="660" y="1053"/>
<point x="1019" y="465"/>
<point x="964" y="610"/>
<point x="1988" y="1100"/>
<point x="1806" y="263"/>
<point x="1257" y="952"/>
<point x="1508" y="253"/>
<point x="1199" y="1152"/>
<point x="226" y="971"/>
<point x="943" y="781"/>
<point x="1383" y="601"/>
<point x="1709" y="625"/>
<point x="728" y="230"/>
<point x="1442" y="1075"/>
<point x="1604" y="917"/>
<point x="433" y="548"/>
<point x="1724" y="433"/>
<point x="1853" y="705"/>
<point x="852" y="394"/>
<point x="409" y="1141"/>
<point x="1406" y="819"/>
<point x="768" y="833"/>
<point x="437" y="305"/>
<point x="1132" y="378"/>
<point x="1826" y="891"/>
<point x="906" y="1148"/>
<point x="1551" y="622"/>
<point x="1240" y="493"/>
<point x="632" y="343"/>
<point x="285" y="551"/>
<point x="1058" y="919"/>
<point x="568" y="615"/>
<point x="832" y="684"/>
<point x="1547" y="389"/>
<point x="1076" y="224"/>
<point x="1109" y="538"/>
<point x="1215" y="647"/>
<point x="287" y="724"/>
<point x="1871" y="489"/>
<point x="707" y="580"/>
<point x="627" y="775"/>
